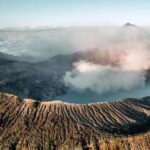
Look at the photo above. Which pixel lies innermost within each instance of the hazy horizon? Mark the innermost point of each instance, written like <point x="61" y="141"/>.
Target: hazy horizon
<point x="73" y="13"/>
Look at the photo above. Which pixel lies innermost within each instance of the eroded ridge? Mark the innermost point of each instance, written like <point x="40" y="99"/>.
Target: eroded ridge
<point x="35" y="125"/>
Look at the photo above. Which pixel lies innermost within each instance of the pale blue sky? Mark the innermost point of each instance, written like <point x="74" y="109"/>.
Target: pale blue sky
<point x="73" y="12"/>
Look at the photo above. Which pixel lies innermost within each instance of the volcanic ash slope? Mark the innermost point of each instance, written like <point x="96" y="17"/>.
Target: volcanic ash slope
<point x="31" y="125"/>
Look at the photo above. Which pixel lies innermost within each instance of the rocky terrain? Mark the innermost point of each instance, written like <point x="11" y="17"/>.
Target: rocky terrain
<point x="56" y="125"/>
<point x="34" y="80"/>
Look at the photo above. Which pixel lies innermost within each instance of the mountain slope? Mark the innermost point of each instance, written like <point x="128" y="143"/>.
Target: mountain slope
<point x="30" y="79"/>
<point x="33" y="125"/>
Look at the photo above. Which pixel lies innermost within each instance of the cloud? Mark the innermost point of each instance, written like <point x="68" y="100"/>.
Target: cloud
<point x="104" y="79"/>
<point x="49" y="42"/>
<point x="118" y="64"/>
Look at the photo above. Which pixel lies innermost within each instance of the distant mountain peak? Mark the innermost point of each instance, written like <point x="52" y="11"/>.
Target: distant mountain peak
<point x="128" y="24"/>
<point x="131" y="26"/>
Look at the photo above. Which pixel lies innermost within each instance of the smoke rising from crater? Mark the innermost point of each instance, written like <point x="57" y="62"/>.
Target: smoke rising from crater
<point x="119" y="63"/>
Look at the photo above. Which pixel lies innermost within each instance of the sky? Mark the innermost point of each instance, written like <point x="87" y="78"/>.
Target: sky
<point x="73" y="12"/>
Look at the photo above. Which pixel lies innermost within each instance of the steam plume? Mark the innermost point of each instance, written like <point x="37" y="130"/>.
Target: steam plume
<point x="118" y="65"/>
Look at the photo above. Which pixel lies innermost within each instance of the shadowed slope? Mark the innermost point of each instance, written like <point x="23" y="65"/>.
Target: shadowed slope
<point x="53" y="125"/>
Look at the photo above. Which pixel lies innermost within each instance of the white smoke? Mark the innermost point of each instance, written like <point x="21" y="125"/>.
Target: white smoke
<point x="103" y="79"/>
<point x="128" y="57"/>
